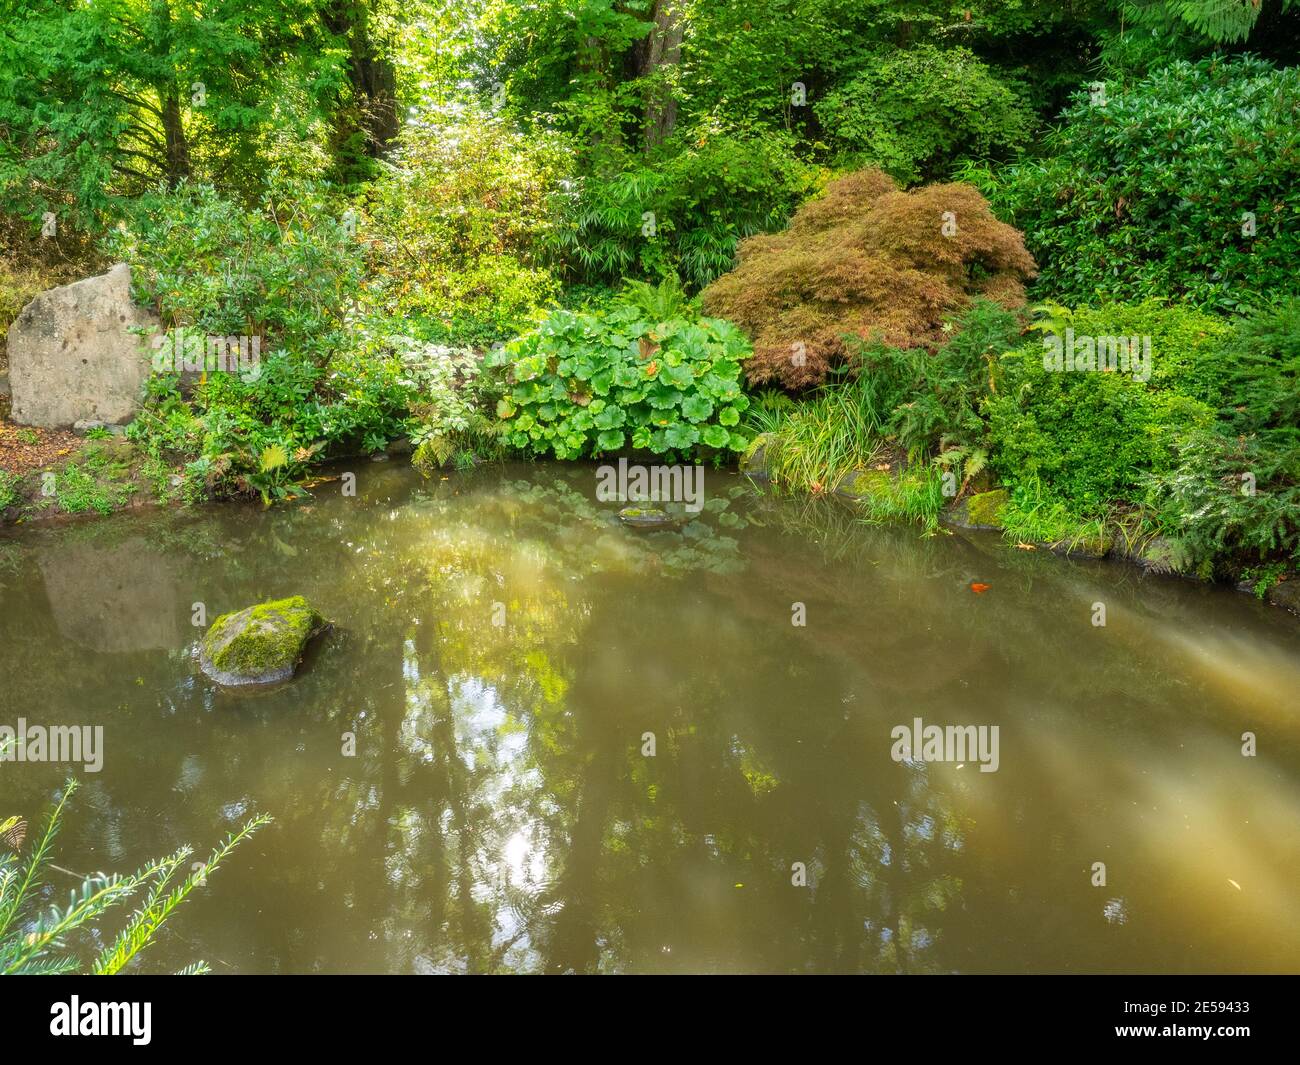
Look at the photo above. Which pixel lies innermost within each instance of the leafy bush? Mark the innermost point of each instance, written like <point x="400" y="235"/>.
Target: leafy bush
<point x="287" y="271"/>
<point x="1151" y="193"/>
<point x="1089" y="439"/>
<point x="912" y="112"/>
<point x="598" y="382"/>
<point x="458" y="226"/>
<point x="682" y="208"/>
<point x="449" y="405"/>
<point x="288" y="276"/>
<point x="1235" y="490"/>
<point x="1230" y="497"/>
<point x="867" y="261"/>
<point x="939" y="393"/>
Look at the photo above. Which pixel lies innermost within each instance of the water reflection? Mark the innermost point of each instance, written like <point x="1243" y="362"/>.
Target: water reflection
<point x="504" y="648"/>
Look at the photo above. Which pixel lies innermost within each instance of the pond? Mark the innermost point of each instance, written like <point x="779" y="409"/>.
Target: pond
<point x="537" y="741"/>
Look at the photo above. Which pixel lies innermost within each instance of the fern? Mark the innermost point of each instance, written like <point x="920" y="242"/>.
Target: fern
<point x="1221" y="21"/>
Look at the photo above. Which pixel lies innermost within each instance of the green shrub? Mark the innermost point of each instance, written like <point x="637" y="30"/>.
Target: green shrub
<point x="682" y="208"/>
<point x="458" y="227"/>
<point x="939" y="393"/>
<point x="913" y="112"/>
<point x="329" y="378"/>
<point x="450" y="406"/>
<point x="1234" y="492"/>
<point x="1259" y="382"/>
<point x="599" y="382"/>
<point x="288" y="271"/>
<point x="1149" y="194"/>
<point x="1089" y="439"/>
<point x="1229" y="498"/>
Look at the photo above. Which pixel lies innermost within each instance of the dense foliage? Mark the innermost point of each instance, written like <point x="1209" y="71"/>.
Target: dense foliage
<point x="913" y="112"/>
<point x="458" y="233"/>
<point x="1089" y="438"/>
<point x="867" y="261"/>
<point x="373" y="195"/>
<point x="1181" y="185"/>
<point x="600" y="382"/>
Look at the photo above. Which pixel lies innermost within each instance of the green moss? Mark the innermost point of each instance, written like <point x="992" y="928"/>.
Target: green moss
<point x="985" y="508"/>
<point x="263" y="638"/>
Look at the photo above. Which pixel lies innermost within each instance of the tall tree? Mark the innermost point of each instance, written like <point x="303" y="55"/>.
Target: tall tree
<point x="367" y="119"/>
<point x="663" y="55"/>
<point x="105" y="97"/>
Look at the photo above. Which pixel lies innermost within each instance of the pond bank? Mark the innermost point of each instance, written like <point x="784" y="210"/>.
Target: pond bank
<point x="979" y="512"/>
<point x="112" y="475"/>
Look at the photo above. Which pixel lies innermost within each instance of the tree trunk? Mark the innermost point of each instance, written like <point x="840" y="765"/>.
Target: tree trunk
<point x="371" y="76"/>
<point x="177" y="163"/>
<point x="663" y="49"/>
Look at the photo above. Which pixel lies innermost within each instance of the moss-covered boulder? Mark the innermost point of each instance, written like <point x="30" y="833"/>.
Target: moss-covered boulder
<point x="261" y="644"/>
<point x="983" y="510"/>
<point x="1086" y="547"/>
<point x="639" y="517"/>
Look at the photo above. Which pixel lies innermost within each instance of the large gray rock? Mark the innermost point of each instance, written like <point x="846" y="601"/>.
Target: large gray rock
<point x="73" y="357"/>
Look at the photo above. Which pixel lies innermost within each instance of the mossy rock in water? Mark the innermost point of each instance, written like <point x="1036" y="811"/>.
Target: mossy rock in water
<point x="1085" y="547"/>
<point x="646" y="518"/>
<point x="261" y="644"/>
<point x="983" y="510"/>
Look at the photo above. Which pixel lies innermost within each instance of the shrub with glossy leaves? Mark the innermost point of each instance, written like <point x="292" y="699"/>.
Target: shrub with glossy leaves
<point x="1182" y="185"/>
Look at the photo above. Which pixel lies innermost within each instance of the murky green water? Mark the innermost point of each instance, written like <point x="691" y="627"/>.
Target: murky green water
<point x="499" y="812"/>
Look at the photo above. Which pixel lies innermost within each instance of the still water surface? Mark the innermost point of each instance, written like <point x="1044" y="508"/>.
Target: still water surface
<point x="499" y="813"/>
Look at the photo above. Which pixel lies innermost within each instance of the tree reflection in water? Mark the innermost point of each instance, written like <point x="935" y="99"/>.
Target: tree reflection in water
<point x="499" y="814"/>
